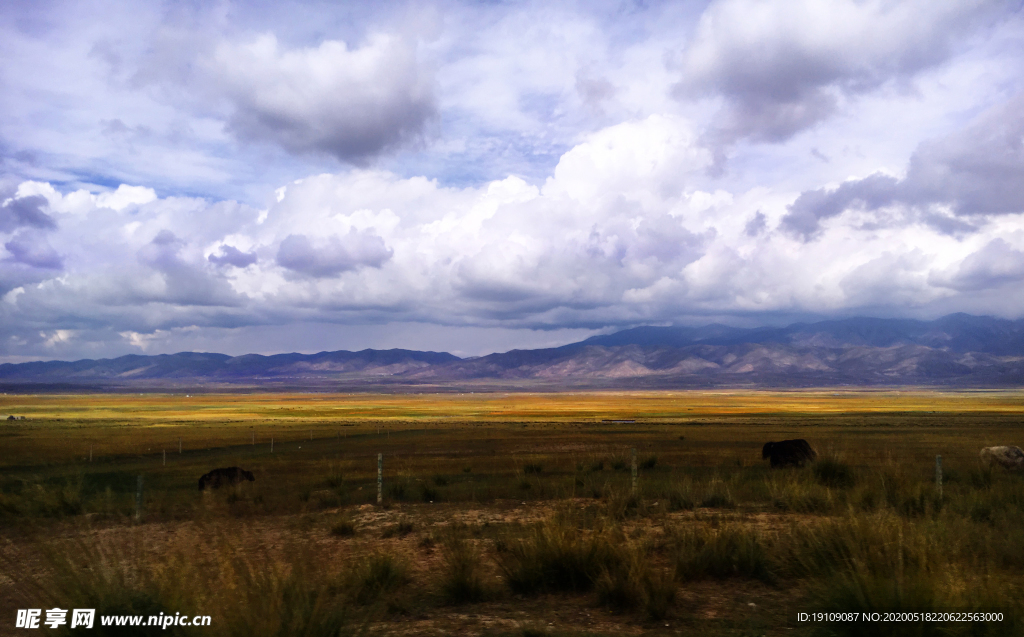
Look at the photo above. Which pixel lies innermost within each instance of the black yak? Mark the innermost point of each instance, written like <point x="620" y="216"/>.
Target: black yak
<point x="229" y="475"/>
<point x="788" y="452"/>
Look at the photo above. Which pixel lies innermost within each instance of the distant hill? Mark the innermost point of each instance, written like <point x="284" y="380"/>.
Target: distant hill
<point x="958" y="350"/>
<point x="956" y="332"/>
<point x="191" y="367"/>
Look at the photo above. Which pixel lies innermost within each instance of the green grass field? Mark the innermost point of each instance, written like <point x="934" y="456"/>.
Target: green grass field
<point x="515" y="513"/>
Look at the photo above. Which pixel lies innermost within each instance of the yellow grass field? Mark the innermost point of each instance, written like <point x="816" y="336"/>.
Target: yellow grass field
<point x="516" y="513"/>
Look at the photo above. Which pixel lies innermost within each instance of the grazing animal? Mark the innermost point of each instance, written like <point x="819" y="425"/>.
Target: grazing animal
<point x="1009" y="457"/>
<point x="788" y="452"/>
<point x="219" y="477"/>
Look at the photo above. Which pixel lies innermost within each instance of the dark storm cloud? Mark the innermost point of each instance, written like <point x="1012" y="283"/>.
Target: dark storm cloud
<point x="335" y="255"/>
<point x="230" y="255"/>
<point x="25" y="211"/>
<point x="977" y="171"/>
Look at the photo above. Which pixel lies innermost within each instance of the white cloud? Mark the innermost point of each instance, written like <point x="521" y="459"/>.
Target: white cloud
<point x="125" y="196"/>
<point x="517" y="167"/>
<point x="332" y="255"/>
<point x="786" y="65"/>
<point x="349" y="103"/>
<point x="615" y="236"/>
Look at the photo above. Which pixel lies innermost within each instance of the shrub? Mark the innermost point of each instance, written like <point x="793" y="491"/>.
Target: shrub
<point x="636" y="586"/>
<point x="981" y="512"/>
<point x="398" y="491"/>
<point x="625" y="504"/>
<point x="379" y="576"/>
<point x="833" y="473"/>
<point x="532" y="468"/>
<point x="717" y="496"/>
<point x="556" y="557"/>
<point x="868" y="501"/>
<point x="619" y="589"/>
<point x="717" y="501"/>
<point x="461" y="581"/>
<point x="681" y="497"/>
<point x="859" y="592"/>
<point x="117" y="574"/>
<point x="344" y="527"/>
<point x="426" y="542"/>
<point x="882" y="543"/>
<point x="334" y="480"/>
<point x="800" y="497"/>
<point x="915" y="505"/>
<point x="50" y="500"/>
<point x="100" y="574"/>
<point x="731" y="551"/>
<point x="271" y="598"/>
<point x="321" y="500"/>
<point x="403" y="528"/>
<point x="981" y="478"/>
<point x="649" y="462"/>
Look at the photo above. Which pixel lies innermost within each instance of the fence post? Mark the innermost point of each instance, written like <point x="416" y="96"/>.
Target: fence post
<point x="938" y="475"/>
<point x="165" y="457"/>
<point x="380" y="478"/>
<point x="634" y="469"/>
<point x="179" y="445"/>
<point x="138" y="498"/>
<point x="271" y="444"/>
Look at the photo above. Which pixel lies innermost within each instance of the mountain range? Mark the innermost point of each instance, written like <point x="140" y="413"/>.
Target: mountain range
<point x="958" y="350"/>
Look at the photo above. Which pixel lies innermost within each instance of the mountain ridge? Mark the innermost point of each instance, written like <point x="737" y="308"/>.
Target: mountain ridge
<point x="954" y="350"/>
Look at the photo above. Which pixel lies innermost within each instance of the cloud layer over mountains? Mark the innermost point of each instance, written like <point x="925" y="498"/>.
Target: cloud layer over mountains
<point x="314" y="177"/>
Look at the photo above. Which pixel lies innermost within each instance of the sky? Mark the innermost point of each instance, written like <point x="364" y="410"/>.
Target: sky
<point x="472" y="177"/>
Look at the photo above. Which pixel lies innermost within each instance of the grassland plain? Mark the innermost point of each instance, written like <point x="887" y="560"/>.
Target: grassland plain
<point x="514" y="513"/>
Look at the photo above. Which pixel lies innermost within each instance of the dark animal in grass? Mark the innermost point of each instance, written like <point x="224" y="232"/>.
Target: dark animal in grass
<point x="788" y="452"/>
<point x="1009" y="457"/>
<point x="219" y="477"/>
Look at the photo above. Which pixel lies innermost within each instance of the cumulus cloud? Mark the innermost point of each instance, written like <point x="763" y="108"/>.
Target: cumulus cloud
<point x="996" y="264"/>
<point x="783" y="65"/>
<point x="970" y="173"/>
<point x="31" y="248"/>
<point x="332" y="255"/>
<point x="813" y="206"/>
<point x="349" y="103"/>
<point x="125" y="196"/>
<point x="621" y="233"/>
<point x="567" y="188"/>
<point x="230" y="255"/>
<point x="20" y="212"/>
